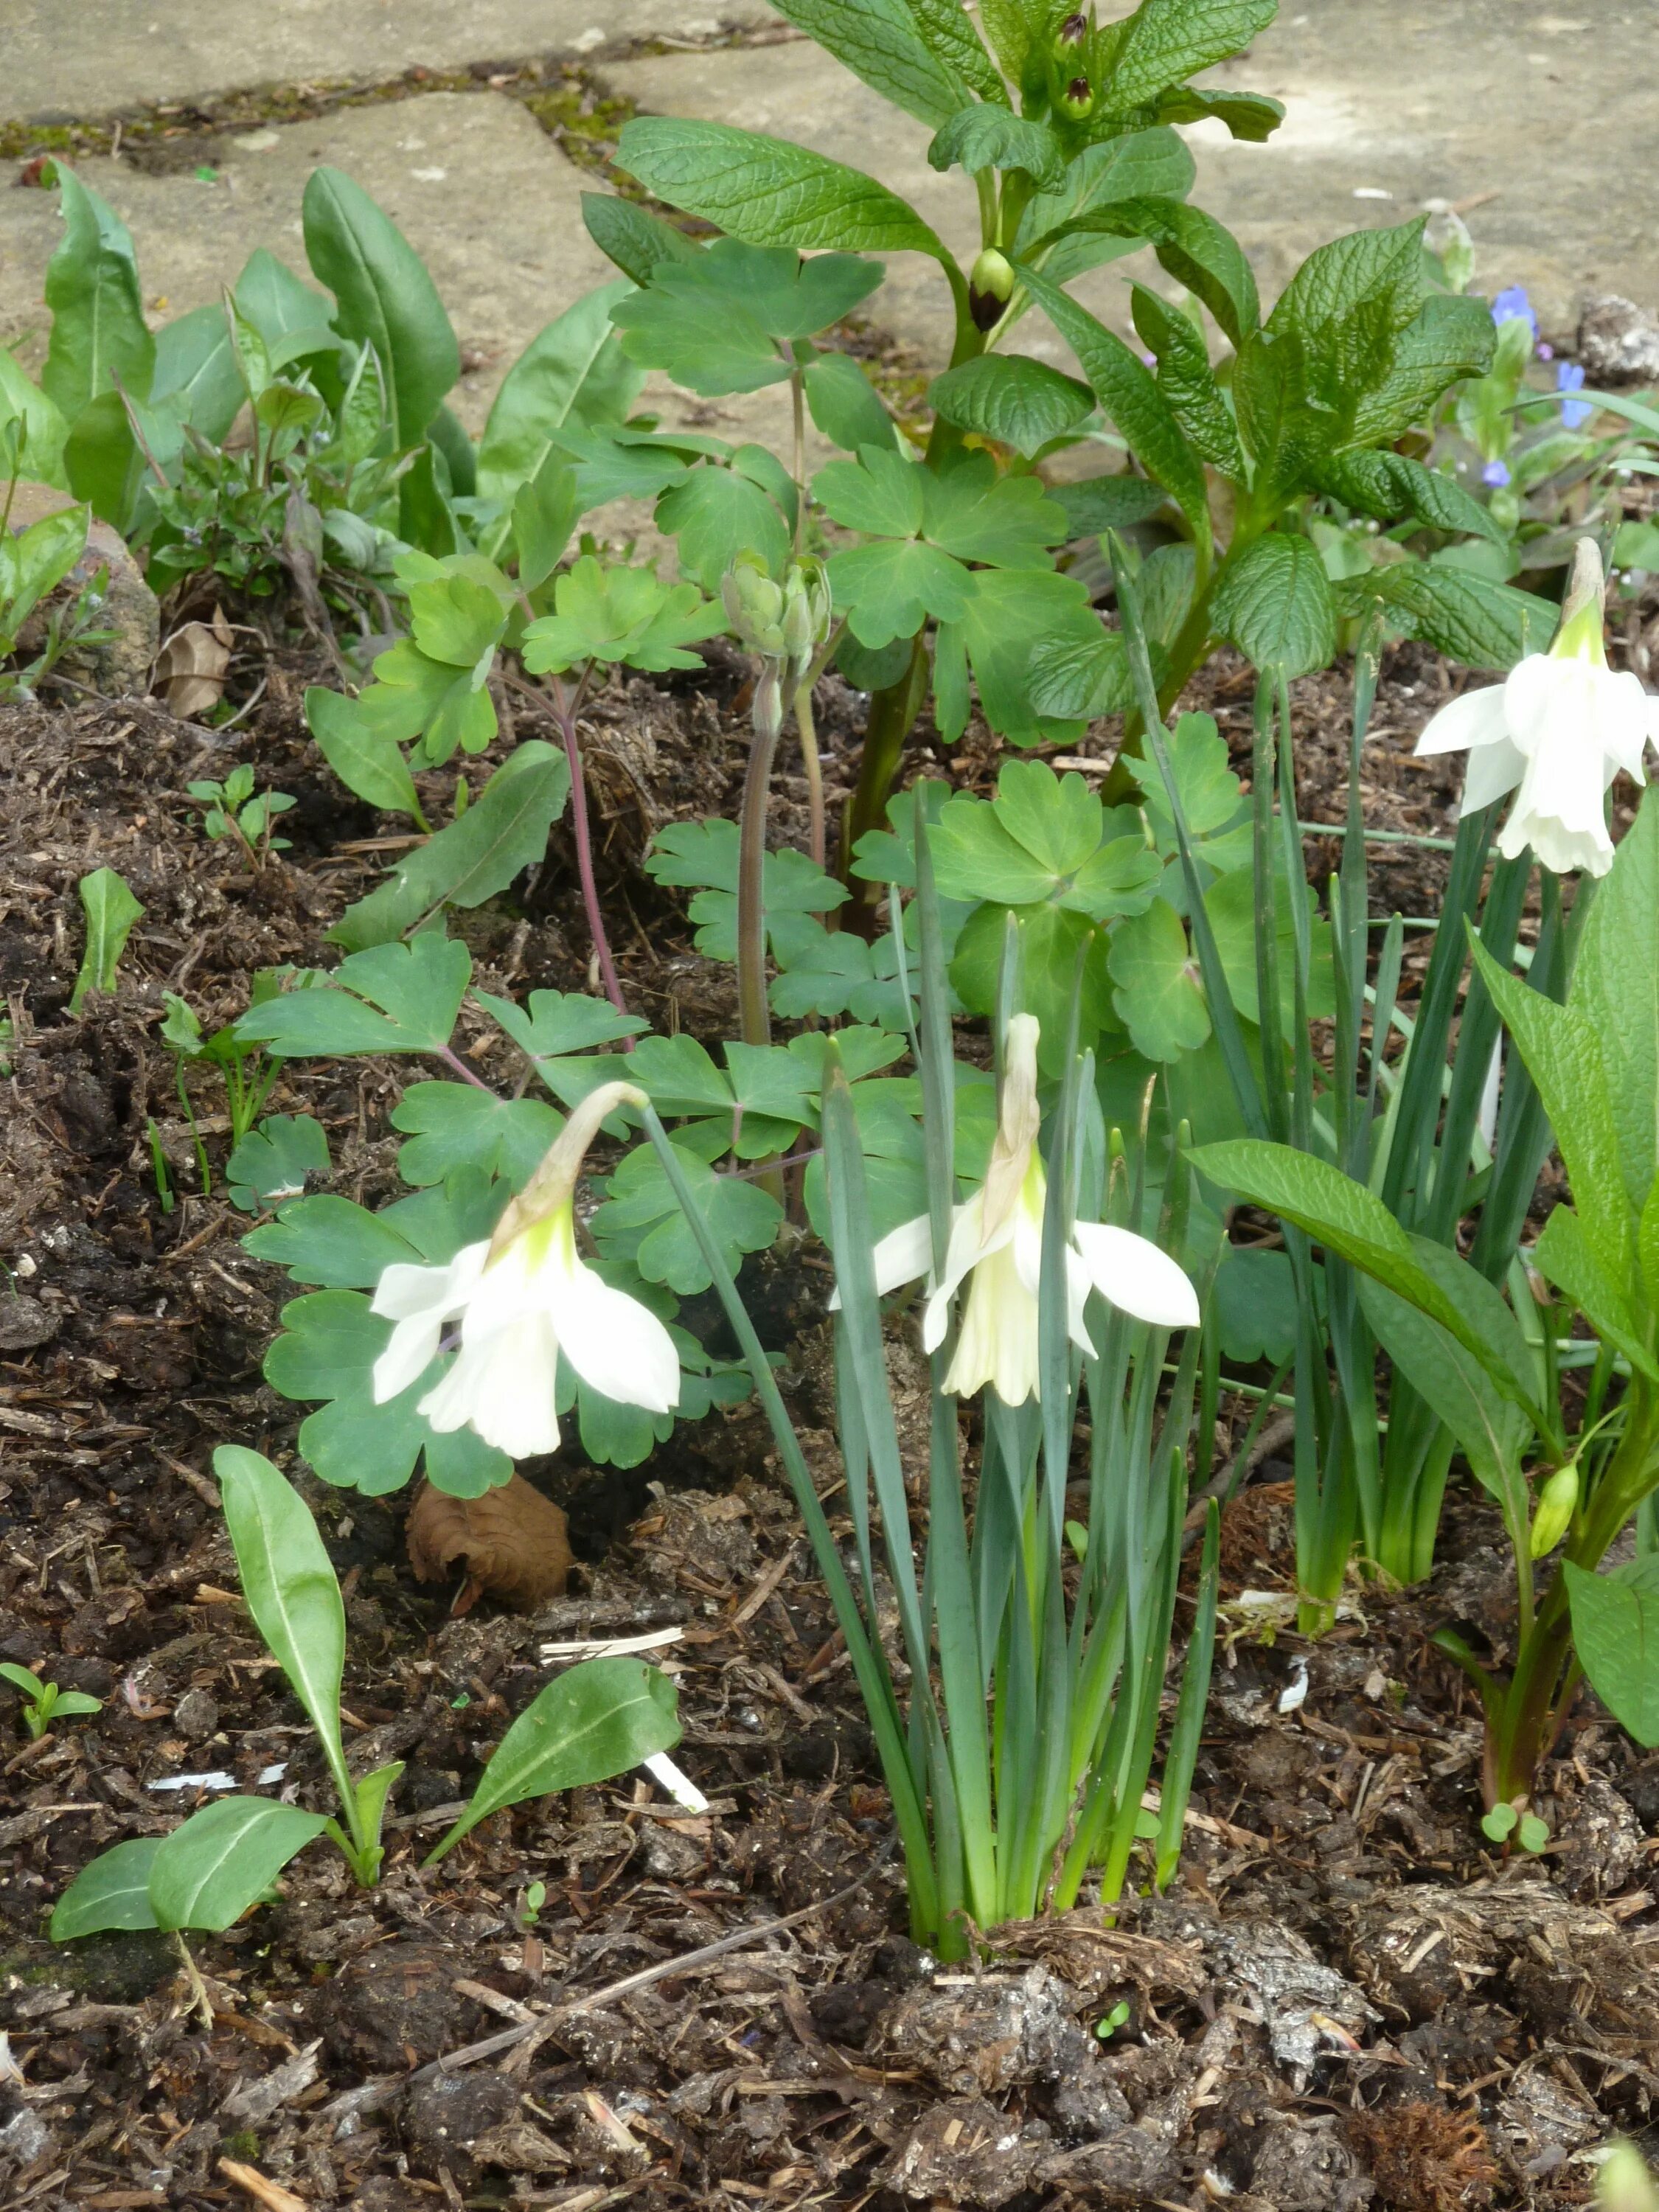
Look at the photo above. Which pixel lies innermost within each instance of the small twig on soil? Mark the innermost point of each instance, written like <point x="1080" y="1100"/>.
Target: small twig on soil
<point x="1232" y="1476"/>
<point x="271" y="2194"/>
<point x="370" y="2095"/>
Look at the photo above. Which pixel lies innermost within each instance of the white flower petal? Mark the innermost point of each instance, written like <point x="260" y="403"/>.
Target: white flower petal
<point x="998" y="1342"/>
<point x="1078" y="1284"/>
<point x="615" y="1344"/>
<point x="1473" y="718"/>
<point x="1623" y="717"/>
<point x="1131" y="1273"/>
<point x="903" y="1255"/>
<point x="1493" y="770"/>
<point x="502" y="1386"/>
<point x="410" y="1350"/>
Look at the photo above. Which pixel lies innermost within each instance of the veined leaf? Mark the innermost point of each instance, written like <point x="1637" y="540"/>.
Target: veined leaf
<point x="98" y="328"/>
<point x="111" y="911"/>
<point x="1131" y="397"/>
<point x="574" y="370"/>
<point x="1167" y="41"/>
<point x="1615" y="1629"/>
<point x="222" y="1859"/>
<point x="1615" y="987"/>
<point x="290" y="1589"/>
<point x="767" y="191"/>
<point x="1275" y="606"/>
<point x="596" y="1720"/>
<point x="384" y="297"/>
<point x="1012" y="397"/>
<point x="112" y="1892"/>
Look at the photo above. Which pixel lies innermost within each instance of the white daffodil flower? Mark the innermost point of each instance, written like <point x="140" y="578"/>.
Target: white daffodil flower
<point x="1561" y="726"/>
<point x="996" y="1245"/>
<point x="525" y="1300"/>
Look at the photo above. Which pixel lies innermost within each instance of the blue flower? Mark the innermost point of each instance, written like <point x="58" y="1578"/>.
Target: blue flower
<point x="1575" y="413"/>
<point x="1512" y="305"/>
<point x="1496" y="473"/>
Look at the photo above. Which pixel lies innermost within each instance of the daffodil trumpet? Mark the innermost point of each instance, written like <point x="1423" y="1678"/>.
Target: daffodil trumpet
<point x="996" y="1248"/>
<point x="526" y="1300"/>
<point x="1555" y="731"/>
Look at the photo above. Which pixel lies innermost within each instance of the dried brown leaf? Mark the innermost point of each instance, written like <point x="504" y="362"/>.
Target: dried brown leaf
<point x="513" y="1542"/>
<point x="191" y="666"/>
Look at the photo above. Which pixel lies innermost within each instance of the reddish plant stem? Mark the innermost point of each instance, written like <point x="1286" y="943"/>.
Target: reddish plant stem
<point x="565" y="714"/>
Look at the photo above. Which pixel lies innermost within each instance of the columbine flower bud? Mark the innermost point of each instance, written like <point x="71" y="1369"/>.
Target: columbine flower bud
<point x="1077" y="100"/>
<point x="990" y="287"/>
<point x="806" y="614"/>
<point x="754" y="604"/>
<point x="1558" y="1501"/>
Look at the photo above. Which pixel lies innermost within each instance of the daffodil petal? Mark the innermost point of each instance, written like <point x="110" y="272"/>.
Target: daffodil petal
<point x="1131" y="1273"/>
<point x="404" y="1291"/>
<point x="410" y="1350"/>
<point x="1471" y="719"/>
<point x="616" y="1346"/>
<point x="1078" y="1284"/>
<point x="502" y="1386"/>
<point x="1493" y="770"/>
<point x="903" y="1255"/>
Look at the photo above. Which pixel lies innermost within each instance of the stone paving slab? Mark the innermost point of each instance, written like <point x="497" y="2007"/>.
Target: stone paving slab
<point x="489" y="201"/>
<point x="1549" y="121"/>
<point x="76" y="60"/>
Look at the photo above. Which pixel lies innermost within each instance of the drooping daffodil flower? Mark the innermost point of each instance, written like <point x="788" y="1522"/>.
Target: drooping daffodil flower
<point x="996" y="1247"/>
<point x="1561" y="726"/>
<point x="525" y="1301"/>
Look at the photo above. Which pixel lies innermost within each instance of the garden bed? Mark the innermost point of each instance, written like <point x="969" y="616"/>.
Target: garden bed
<point x="1348" y="1997"/>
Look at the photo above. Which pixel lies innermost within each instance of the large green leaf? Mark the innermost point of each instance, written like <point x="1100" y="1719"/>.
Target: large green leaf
<point x="1167" y="41"/>
<point x="1021" y="402"/>
<point x="632" y="237"/>
<point x="1275" y="606"/>
<point x="1615" y="987"/>
<point x="878" y="42"/>
<point x="1562" y="1049"/>
<point x="112" y="1892"/>
<point x="1493" y="1432"/>
<point x="1158" y="996"/>
<point x="574" y="370"/>
<point x="224" y="1858"/>
<point x="596" y="1720"/>
<point x="1469" y="617"/>
<point x="1566" y="1255"/>
<point x="767" y="191"/>
<point x="389" y="997"/>
<point x="365" y="758"/>
<point x="1195" y="249"/>
<point x="99" y="333"/>
<point x="384" y="294"/>
<point x="290" y="1588"/>
<point x="456" y="1125"/>
<point x="988" y="137"/>
<point x="1351" y="1222"/>
<point x="728" y="320"/>
<point x="1129" y="394"/>
<point x="1188" y="383"/>
<point x="196" y="362"/>
<point x="1615" y="1628"/>
<point x="503" y="832"/>
<point x="642" y="1221"/>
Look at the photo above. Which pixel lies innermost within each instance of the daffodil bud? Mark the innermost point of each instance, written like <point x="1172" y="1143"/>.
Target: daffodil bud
<point x="1558" y="1501"/>
<point x="990" y="287"/>
<point x="1077" y="100"/>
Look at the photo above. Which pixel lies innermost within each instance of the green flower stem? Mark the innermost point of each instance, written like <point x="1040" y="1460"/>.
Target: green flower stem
<point x="892" y="714"/>
<point x="807" y="731"/>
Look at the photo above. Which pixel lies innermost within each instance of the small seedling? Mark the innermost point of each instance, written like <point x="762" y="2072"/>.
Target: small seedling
<point x="158" y="1161"/>
<point x="111" y="910"/>
<point x="1505" y="1823"/>
<point x="235" y="809"/>
<point x="248" y="1074"/>
<point x="531" y="1906"/>
<point x="44" y="1702"/>
<point x="1118" y="2017"/>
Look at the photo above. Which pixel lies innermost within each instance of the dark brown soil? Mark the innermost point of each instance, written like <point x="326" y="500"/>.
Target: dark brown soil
<point x="1345" y="2001"/>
